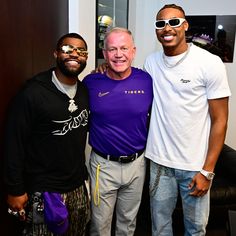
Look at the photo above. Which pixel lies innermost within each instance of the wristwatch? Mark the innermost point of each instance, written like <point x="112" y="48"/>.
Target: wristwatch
<point x="207" y="174"/>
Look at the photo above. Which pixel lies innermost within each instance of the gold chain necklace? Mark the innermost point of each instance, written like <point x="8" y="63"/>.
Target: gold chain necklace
<point x="166" y="63"/>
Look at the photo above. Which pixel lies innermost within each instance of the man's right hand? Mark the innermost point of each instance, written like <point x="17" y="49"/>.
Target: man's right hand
<point x="100" y="68"/>
<point x="17" y="203"/>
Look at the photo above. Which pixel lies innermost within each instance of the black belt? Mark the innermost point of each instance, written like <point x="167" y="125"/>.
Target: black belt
<point x="121" y="159"/>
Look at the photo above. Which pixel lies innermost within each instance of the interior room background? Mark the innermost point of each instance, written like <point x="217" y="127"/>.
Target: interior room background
<point x="29" y="30"/>
<point x="141" y="17"/>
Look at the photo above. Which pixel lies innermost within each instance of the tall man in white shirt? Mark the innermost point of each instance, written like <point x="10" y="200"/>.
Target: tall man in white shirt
<point x="188" y="124"/>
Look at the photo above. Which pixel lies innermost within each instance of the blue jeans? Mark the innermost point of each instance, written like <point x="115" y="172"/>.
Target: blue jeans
<point x="165" y="183"/>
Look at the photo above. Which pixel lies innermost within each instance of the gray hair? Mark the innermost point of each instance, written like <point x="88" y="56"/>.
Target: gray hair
<point x="117" y="30"/>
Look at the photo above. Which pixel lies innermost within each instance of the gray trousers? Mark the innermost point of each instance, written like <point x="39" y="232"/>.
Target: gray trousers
<point x="115" y="184"/>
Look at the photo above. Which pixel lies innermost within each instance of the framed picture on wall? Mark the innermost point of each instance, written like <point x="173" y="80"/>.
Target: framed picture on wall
<point x="213" y="33"/>
<point x="110" y="13"/>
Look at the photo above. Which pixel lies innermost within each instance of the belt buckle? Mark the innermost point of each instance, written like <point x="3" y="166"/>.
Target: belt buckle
<point x="123" y="159"/>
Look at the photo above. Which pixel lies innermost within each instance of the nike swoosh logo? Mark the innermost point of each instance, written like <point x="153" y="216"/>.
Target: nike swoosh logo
<point x="100" y="94"/>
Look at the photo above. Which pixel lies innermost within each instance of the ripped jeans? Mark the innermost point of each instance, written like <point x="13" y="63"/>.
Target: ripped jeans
<point x="165" y="184"/>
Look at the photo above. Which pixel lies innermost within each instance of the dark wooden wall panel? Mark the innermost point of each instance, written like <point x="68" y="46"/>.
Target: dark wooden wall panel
<point x="29" y="30"/>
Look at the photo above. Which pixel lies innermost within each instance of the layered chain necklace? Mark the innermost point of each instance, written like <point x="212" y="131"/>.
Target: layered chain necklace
<point x="168" y="65"/>
<point x="69" y="90"/>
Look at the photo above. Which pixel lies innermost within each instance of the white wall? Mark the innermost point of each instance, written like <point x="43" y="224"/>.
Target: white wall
<point x="142" y="15"/>
<point x="141" y="22"/>
<point x="82" y="21"/>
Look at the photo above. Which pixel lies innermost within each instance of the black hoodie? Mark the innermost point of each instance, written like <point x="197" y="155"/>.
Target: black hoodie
<point x="45" y="143"/>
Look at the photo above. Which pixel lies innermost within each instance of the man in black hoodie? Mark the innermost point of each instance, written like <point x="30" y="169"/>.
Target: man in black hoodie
<point x="45" y="141"/>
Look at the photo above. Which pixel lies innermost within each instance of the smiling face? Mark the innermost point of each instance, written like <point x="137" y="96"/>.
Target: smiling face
<point x="172" y="38"/>
<point x="119" y="53"/>
<point x="70" y="64"/>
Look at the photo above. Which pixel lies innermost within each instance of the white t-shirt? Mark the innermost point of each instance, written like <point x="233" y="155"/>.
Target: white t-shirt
<point x="180" y="121"/>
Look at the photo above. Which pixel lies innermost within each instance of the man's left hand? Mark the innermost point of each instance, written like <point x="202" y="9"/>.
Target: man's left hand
<point x="200" y="185"/>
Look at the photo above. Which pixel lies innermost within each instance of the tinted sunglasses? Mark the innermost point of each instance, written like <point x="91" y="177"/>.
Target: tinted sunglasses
<point x="175" y="22"/>
<point x="68" y="49"/>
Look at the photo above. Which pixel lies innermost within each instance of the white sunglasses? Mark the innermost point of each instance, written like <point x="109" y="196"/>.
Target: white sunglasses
<point x="175" y="22"/>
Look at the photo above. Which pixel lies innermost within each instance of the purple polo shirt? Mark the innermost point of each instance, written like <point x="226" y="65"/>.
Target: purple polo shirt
<point x="119" y="112"/>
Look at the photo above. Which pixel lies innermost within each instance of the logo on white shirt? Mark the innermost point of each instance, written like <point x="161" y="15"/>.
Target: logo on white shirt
<point x="184" y="81"/>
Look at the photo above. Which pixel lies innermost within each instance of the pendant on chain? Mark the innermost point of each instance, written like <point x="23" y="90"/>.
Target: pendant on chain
<point x="72" y="106"/>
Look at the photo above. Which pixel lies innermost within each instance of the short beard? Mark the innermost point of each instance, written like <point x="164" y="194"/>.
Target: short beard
<point x="70" y="73"/>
